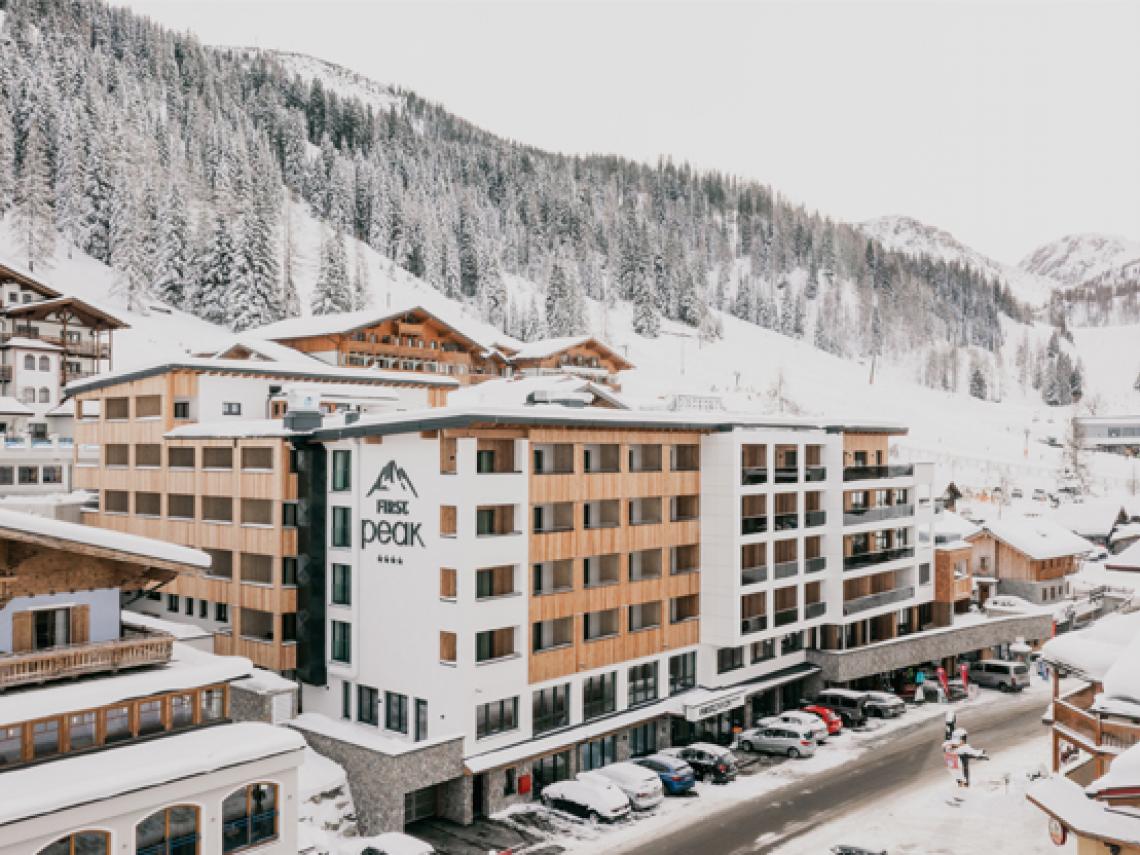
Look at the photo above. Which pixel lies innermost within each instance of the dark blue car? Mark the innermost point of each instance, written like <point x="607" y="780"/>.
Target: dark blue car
<point x="676" y="775"/>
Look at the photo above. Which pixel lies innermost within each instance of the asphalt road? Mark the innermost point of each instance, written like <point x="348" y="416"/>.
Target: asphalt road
<point x="904" y="760"/>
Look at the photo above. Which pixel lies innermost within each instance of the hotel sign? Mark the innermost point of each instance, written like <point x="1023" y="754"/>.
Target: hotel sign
<point x="394" y="483"/>
<point x="714" y="706"/>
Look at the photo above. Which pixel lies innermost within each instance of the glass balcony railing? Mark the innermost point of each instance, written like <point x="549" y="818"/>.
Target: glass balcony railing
<point x="874" y="601"/>
<point x="814" y="610"/>
<point x="857" y="516"/>
<point x="752" y="475"/>
<point x="787" y="475"/>
<point x="757" y="623"/>
<point x="869" y="559"/>
<point x="784" y="569"/>
<point x="787" y="616"/>
<point x="815" y="565"/>
<point x="875" y="473"/>
<point x="753" y="575"/>
<point x="786" y="522"/>
<point x="753" y="525"/>
<point x="815" y="518"/>
<point x="815" y="473"/>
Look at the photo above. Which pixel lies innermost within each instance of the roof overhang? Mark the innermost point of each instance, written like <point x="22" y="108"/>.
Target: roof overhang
<point x="60" y="308"/>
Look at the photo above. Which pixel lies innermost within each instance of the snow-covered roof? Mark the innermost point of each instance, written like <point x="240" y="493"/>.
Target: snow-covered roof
<point x="550" y="346"/>
<point x="181" y="631"/>
<point x="1124" y="773"/>
<point x="1092" y="652"/>
<point x="1128" y="559"/>
<point x="64" y="409"/>
<point x="9" y="406"/>
<point x="1036" y="537"/>
<point x="80" y="779"/>
<point x="312" y="369"/>
<point x="366" y="737"/>
<point x="144" y="547"/>
<point x="1091" y="518"/>
<point x="262" y="347"/>
<point x="1125" y="531"/>
<point x="265" y="682"/>
<point x="1065" y="800"/>
<point x="29" y="343"/>
<point x="515" y="391"/>
<point x="236" y="428"/>
<point x="951" y="529"/>
<point x="188" y="668"/>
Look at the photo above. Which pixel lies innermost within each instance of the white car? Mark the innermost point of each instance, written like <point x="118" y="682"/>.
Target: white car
<point x="587" y="799"/>
<point x="781" y="738"/>
<point x="810" y="721"/>
<point x="641" y="786"/>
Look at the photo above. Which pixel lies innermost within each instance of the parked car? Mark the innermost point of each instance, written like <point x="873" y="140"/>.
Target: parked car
<point x="587" y="799"/>
<point x="805" y="720"/>
<point x="834" y="722"/>
<point x="1039" y="495"/>
<point x="642" y="787"/>
<point x="394" y="843"/>
<point x="782" y="738"/>
<point x="846" y="703"/>
<point x="708" y="761"/>
<point x="1016" y="493"/>
<point x="1000" y="674"/>
<point x="676" y="775"/>
<point x="884" y="705"/>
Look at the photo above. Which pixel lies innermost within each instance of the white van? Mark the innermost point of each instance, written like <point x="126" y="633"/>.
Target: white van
<point x="1000" y="674"/>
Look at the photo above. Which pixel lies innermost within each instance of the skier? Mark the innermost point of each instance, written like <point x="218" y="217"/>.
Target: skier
<point x="957" y="753"/>
<point x="951" y="723"/>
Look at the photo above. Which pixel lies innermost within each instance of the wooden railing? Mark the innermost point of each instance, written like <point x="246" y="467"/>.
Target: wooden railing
<point x="19" y="669"/>
<point x="1109" y="734"/>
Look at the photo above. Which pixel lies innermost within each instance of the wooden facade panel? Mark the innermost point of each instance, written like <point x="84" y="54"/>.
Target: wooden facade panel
<point x="612" y="485"/>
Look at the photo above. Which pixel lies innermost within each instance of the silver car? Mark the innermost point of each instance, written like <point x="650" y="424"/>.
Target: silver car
<point x="1000" y="674"/>
<point x="787" y="739"/>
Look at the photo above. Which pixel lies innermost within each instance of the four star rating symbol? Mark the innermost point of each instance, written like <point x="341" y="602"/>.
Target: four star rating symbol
<point x="390" y="559"/>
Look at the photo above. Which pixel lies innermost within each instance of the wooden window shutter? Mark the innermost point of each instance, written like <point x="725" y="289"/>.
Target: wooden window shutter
<point x="23" y="632"/>
<point x="80" y="624"/>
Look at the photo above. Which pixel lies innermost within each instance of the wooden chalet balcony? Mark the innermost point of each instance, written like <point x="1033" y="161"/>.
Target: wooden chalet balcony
<point x="1101" y="733"/>
<point x="77" y="660"/>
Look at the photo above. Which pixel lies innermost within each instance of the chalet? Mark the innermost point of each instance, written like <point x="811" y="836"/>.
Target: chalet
<point x="1027" y="557"/>
<point x="1128" y="560"/>
<point x="115" y="738"/>
<point x="584" y="356"/>
<point x="1094" y="519"/>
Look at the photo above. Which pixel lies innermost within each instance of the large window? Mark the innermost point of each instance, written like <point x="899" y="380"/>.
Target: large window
<point x="51" y="628"/>
<point x="682" y="672"/>
<point x="249" y="817"/>
<point x="342" y="527"/>
<point x="170" y="831"/>
<point x="643" y="739"/>
<point x="729" y="659"/>
<point x="367" y="705"/>
<point x="548" y="770"/>
<point x="642" y="683"/>
<point x="80" y="843"/>
<point x="599" y="695"/>
<point x="550" y="708"/>
<point x="341" y="585"/>
<point x="396" y="712"/>
<point x="596" y="754"/>
<point x="341" y="641"/>
<point x="496" y="717"/>
<point x="342" y="470"/>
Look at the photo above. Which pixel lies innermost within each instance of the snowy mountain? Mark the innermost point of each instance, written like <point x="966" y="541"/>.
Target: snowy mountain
<point x="912" y="237"/>
<point x="1079" y="259"/>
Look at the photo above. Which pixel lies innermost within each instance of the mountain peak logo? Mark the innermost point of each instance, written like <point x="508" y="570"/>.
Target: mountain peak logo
<point x="392" y="475"/>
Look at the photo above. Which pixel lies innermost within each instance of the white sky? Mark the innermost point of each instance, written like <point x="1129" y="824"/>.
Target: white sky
<point x="1007" y="123"/>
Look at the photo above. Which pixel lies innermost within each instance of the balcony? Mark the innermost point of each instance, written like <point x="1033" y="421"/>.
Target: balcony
<point x="815" y="473"/>
<point x="870" y="559"/>
<point x="753" y="475"/>
<point x="77" y="660"/>
<point x="757" y="623"/>
<point x="814" y="610"/>
<point x="874" y="601"/>
<point x="785" y="569"/>
<point x="753" y="525"/>
<point x="876" y="473"/>
<point x="787" y="475"/>
<point x="787" y="616"/>
<point x="786" y="522"/>
<point x="857" y="516"/>
<point x="815" y="518"/>
<point x="754" y="575"/>
<point x="815" y="565"/>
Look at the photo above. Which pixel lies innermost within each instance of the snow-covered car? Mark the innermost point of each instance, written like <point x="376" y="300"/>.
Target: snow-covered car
<point x="808" y="721"/>
<point x="782" y="738"/>
<point x="587" y="799"/>
<point x="641" y="786"/>
<point x="884" y="705"/>
<point x="708" y="761"/>
<point x="1008" y="604"/>
<point x="392" y="843"/>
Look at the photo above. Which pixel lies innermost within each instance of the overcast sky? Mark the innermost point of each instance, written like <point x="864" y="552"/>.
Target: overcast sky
<point x="1007" y="123"/>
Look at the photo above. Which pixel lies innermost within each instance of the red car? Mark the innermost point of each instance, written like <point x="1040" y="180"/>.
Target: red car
<point x="834" y="723"/>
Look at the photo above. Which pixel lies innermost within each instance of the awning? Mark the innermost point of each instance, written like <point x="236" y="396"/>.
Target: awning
<point x="703" y="703"/>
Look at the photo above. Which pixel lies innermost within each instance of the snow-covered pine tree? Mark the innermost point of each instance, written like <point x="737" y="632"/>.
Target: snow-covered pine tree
<point x="361" y="285"/>
<point x="171" y="277"/>
<point x="559" y="303"/>
<point x="128" y="253"/>
<point x="34" y="217"/>
<point x="646" y="318"/>
<point x="290" y="299"/>
<point x="216" y="268"/>
<point x="7" y="160"/>
<point x="533" y="327"/>
<point x="978" y="383"/>
<point x="68" y="179"/>
<point x="333" y="291"/>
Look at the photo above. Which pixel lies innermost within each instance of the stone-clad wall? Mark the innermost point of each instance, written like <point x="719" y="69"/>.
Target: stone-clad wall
<point x="379" y="781"/>
<point x="842" y="666"/>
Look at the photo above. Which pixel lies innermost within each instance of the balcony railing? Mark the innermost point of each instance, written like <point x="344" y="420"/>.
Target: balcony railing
<point x="815" y="473"/>
<point x="753" y="575"/>
<point x="752" y="475"/>
<point x="784" y="569"/>
<point x="869" y="559"/>
<point x="756" y="623"/>
<point x="815" y="518"/>
<point x="875" y="473"/>
<point x="814" y="610"/>
<point x="874" y="601"/>
<point x="787" y="475"/>
<point x="55" y="663"/>
<point x="856" y="516"/>
<point x="753" y="525"/>
<point x="815" y="565"/>
<point x="786" y="522"/>
<point x="787" y="616"/>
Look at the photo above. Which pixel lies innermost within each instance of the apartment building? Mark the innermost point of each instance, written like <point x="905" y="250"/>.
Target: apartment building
<point x="145" y="446"/>
<point x="141" y="754"/>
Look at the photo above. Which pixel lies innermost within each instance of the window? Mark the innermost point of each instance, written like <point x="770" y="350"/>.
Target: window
<point x="289" y="626"/>
<point x="172" y="602"/>
<point x="203" y="609"/>
<point x="249" y="817"/>
<point x="341" y="641"/>
<point x="257" y="458"/>
<point x="170" y="831"/>
<point x="342" y="527"/>
<point x="6" y="474"/>
<point x="496" y="717"/>
<point x="548" y="770"/>
<point x="51" y="475"/>
<point x="45" y="364"/>
<point x="256" y="512"/>
<point x="642" y="683"/>
<point x="729" y="659"/>
<point x="484" y="521"/>
<point x="396" y="712"/>
<point x="180" y="457"/>
<point x="345" y="699"/>
<point x="51" y="628"/>
<point x="550" y="708"/>
<point x="289" y="514"/>
<point x="11" y="744"/>
<point x="599" y="695"/>
<point x="45" y="395"/>
<point x="421" y="720"/>
<point x="484" y="461"/>
<point x="181" y="409"/>
<point x="180" y="506"/>
<point x="217" y="457"/>
<point x="116" y="725"/>
<point x="643" y="740"/>
<point x="150" y="717"/>
<point x="682" y="672"/>
<point x="29" y="362"/>
<point x="792" y="642"/>
<point x="217" y="509"/>
<point x="367" y="705"/>
<point x="510" y="786"/>
<point x="80" y="843"/>
<point x="212" y="704"/>
<point x="762" y="651"/>
<point x="596" y="754"/>
<point x="341" y="470"/>
<point x="221" y="563"/>
<point x="288" y="570"/>
<point x="190" y="606"/>
<point x="148" y="504"/>
<point x="341" y="585"/>
<point x="28" y="395"/>
<point x="231" y="408"/>
<point x="28" y="474"/>
<point x="148" y="406"/>
<point x="148" y="455"/>
<point x="45" y="738"/>
<point x="116" y="501"/>
<point x="81" y="730"/>
<point x="222" y="612"/>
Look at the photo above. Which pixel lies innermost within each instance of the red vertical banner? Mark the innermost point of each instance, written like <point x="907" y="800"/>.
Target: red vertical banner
<point x="964" y="670"/>
<point x="943" y="681"/>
